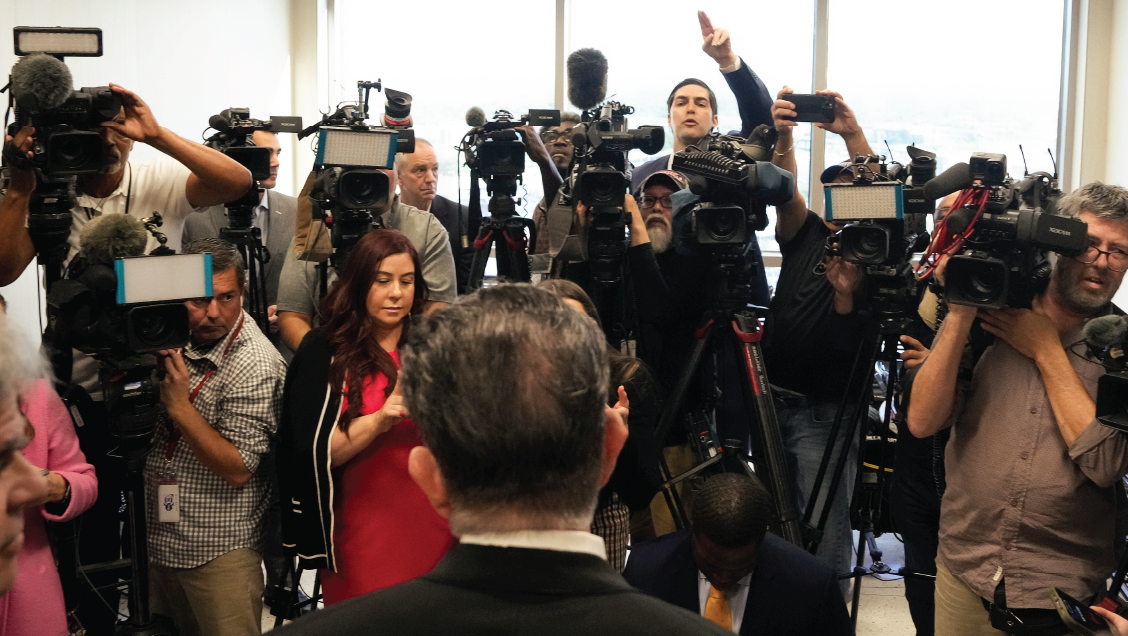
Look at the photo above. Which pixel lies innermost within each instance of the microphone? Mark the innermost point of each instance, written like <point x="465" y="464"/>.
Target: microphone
<point x="954" y="179"/>
<point x="957" y="220"/>
<point x="219" y="122"/>
<point x="475" y="117"/>
<point x="587" y="78"/>
<point x="1105" y="331"/>
<point x="41" y="82"/>
<point x="113" y="236"/>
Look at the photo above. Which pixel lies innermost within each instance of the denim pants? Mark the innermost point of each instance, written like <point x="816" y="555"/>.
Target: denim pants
<point x="806" y="430"/>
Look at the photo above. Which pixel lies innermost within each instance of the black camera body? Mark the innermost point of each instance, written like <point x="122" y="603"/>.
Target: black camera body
<point x="68" y="138"/>
<point x="234" y="137"/>
<point x="919" y="171"/>
<point x="873" y="208"/>
<point x="1004" y="261"/>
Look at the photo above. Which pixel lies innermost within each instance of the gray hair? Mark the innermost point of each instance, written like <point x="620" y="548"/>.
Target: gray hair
<point x="1105" y="201"/>
<point x="401" y="157"/>
<point x="224" y="256"/>
<point x="507" y="388"/>
<point x="20" y="362"/>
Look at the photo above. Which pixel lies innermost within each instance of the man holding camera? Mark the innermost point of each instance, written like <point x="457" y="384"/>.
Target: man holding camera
<point x="299" y="295"/>
<point x="1030" y="503"/>
<point x="815" y="330"/>
<point x="273" y="216"/>
<point x="553" y="153"/>
<point x="206" y="493"/>
<point x="692" y="105"/>
<point x="418" y="174"/>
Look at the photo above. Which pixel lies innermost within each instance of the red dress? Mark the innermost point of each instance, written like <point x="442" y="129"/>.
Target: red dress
<point x="385" y="531"/>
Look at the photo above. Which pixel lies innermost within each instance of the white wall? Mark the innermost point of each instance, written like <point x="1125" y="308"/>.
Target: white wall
<point x="188" y="61"/>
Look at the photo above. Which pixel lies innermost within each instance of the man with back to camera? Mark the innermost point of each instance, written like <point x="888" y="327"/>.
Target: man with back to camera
<point x="507" y="387"/>
<point x="299" y="294"/>
<point x="273" y="216"/>
<point x="21" y="485"/>
<point x="815" y="330"/>
<point x="1030" y="502"/>
<point x="418" y="175"/>
<point x="692" y="105"/>
<point x="731" y="571"/>
<point x="197" y="177"/>
<point x="221" y="397"/>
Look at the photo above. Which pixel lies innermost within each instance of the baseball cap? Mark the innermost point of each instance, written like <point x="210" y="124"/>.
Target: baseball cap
<point x="669" y="178"/>
<point x="831" y="173"/>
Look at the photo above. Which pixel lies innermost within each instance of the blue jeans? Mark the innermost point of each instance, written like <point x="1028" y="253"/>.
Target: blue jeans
<point x="806" y="431"/>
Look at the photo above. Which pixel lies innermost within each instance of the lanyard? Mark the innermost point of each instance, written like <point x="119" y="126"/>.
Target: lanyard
<point x="128" y="196"/>
<point x="174" y="436"/>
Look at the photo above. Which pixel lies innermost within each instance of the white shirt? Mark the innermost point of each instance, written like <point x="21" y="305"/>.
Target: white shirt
<point x="558" y="540"/>
<point x="737" y="599"/>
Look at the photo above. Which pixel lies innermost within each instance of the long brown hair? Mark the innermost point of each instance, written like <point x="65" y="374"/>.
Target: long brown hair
<point x="623" y="367"/>
<point x="348" y="327"/>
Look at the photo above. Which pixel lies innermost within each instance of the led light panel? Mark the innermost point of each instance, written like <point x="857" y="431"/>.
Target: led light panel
<point x="79" y="42"/>
<point x="367" y="149"/>
<point x="150" y="279"/>
<point x="848" y="202"/>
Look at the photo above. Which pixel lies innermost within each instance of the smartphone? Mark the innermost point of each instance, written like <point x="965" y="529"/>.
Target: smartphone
<point x="818" y="108"/>
<point x="1077" y="616"/>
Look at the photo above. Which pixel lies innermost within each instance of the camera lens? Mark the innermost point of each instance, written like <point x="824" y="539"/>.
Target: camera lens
<point x="724" y="224"/>
<point x="362" y="189"/>
<point x="985" y="283"/>
<point x="72" y="152"/>
<point x="865" y="244"/>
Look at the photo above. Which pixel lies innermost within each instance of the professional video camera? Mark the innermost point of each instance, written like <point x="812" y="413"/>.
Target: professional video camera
<point x="1000" y="232"/>
<point x="68" y="137"/>
<point x="495" y="154"/>
<point x="350" y="190"/>
<point x="1105" y="339"/>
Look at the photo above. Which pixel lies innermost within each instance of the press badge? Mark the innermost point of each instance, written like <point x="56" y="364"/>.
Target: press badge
<point x="168" y="498"/>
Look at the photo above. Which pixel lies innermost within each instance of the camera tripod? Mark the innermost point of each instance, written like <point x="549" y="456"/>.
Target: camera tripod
<point x="734" y="317"/>
<point x="505" y="233"/>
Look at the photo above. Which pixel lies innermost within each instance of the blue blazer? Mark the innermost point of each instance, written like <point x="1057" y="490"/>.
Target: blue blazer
<point x="752" y="100"/>
<point x="791" y="592"/>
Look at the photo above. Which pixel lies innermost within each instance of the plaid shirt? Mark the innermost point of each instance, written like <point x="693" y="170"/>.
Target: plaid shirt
<point x="243" y="401"/>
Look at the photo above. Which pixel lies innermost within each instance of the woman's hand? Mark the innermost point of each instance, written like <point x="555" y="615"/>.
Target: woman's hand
<point x="623" y="406"/>
<point x="345" y="444"/>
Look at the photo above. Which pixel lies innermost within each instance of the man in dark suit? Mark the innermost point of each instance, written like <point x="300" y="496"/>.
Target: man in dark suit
<point x="507" y="388"/>
<point x="418" y="175"/>
<point x="728" y="569"/>
<point x="274" y="216"/>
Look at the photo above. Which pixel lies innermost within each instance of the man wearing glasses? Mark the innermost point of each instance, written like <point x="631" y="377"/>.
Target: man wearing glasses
<point x="1030" y="502"/>
<point x="556" y="142"/>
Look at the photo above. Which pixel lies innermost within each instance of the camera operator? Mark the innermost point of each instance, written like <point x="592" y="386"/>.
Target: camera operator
<point x="299" y="289"/>
<point x="1030" y="502"/>
<point x="692" y="105"/>
<point x="557" y="144"/>
<point x="199" y="177"/>
<point x="816" y="329"/>
<point x="418" y="175"/>
<point x="222" y="395"/>
<point x="273" y="216"/>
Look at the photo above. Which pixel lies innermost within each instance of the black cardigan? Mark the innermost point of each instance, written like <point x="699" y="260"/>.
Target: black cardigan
<point x="309" y="413"/>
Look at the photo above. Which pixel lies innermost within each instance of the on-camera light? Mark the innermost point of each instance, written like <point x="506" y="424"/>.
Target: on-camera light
<point x="58" y="41"/>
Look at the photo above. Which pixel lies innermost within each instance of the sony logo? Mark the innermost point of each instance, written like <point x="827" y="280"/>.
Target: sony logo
<point x="1058" y="230"/>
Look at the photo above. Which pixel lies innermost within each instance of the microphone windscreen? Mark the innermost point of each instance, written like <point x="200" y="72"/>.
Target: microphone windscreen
<point x="475" y="117"/>
<point x="219" y="122"/>
<point x="113" y="236"/>
<point x="587" y="78"/>
<point x="954" y="179"/>
<point x="958" y="220"/>
<point x="41" y="82"/>
<point x="1105" y="331"/>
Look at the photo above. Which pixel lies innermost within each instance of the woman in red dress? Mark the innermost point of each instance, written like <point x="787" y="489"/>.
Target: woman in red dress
<point x="384" y="531"/>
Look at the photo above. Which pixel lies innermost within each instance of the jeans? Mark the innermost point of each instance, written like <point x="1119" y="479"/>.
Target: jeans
<point x="806" y="430"/>
<point x="916" y="516"/>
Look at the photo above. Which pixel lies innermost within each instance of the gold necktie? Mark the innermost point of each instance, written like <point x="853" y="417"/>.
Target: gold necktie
<point x="717" y="608"/>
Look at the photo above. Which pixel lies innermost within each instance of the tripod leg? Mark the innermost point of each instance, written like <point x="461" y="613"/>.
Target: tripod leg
<point x="758" y="395"/>
<point x="482" y="246"/>
<point x="859" y="572"/>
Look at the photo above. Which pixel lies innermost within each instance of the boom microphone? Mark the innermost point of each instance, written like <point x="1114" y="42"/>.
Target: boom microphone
<point x="954" y="179"/>
<point x="1105" y="331"/>
<point x="587" y="78"/>
<point x="475" y="117"/>
<point x="113" y="236"/>
<point x="41" y="82"/>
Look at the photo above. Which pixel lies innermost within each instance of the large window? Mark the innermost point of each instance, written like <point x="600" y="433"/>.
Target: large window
<point x="966" y="76"/>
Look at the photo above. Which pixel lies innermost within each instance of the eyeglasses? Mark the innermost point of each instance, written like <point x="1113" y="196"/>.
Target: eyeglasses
<point x="648" y="202"/>
<point x="550" y="136"/>
<point x="1117" y="260"/>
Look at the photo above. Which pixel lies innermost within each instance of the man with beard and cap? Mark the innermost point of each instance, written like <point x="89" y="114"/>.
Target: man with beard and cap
<point x="1031" y="498"/>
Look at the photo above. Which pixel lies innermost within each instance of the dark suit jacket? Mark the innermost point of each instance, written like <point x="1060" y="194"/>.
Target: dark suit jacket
<point x="791" y="592"/>
<point x="488" y="590"/>
<point x="446" y="211"/>
<point x="752" y="100"/>
<point x="207" y="224"/>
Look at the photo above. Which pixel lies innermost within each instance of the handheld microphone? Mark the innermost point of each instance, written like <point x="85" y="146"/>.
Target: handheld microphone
<point x="475" y="117"/>
<point x="587" y="78"/>
<point x="41" y="82"/>
<point x="113" y="236"/>
<point x="1105" y="331"/>
<point x="954" y="179"/>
